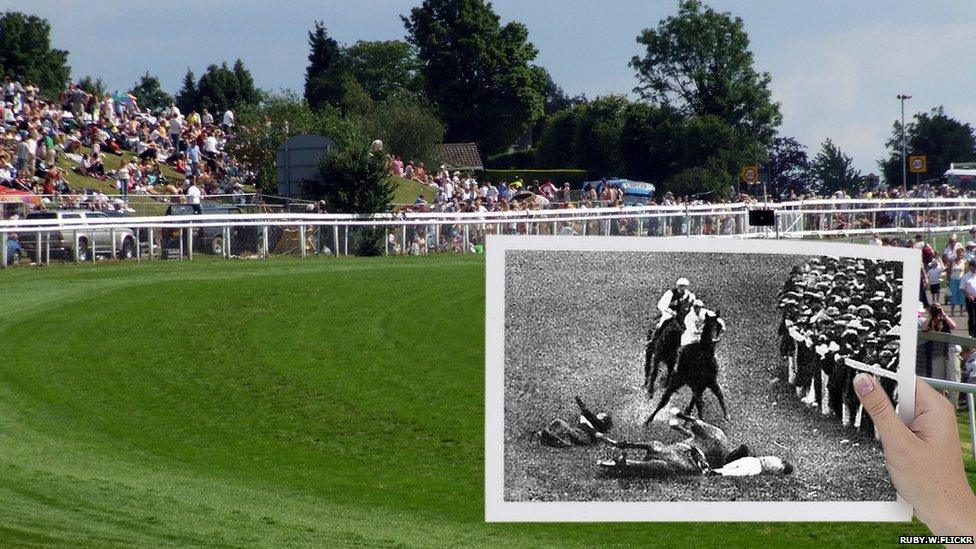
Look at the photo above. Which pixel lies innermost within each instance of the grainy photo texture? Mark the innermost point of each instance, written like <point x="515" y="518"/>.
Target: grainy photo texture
<point x="681" y="376"/>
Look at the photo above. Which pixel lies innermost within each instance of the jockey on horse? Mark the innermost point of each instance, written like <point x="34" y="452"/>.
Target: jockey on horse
<point x="673" y="300"/>
<point x="694" y="322"/>
<point x="664" y="341"/>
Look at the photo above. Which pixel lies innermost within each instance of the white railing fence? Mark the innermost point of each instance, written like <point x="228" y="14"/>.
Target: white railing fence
<point x="270" y="232"/>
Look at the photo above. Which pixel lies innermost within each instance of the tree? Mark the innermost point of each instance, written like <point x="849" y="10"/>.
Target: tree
<point x="26" y="53"/>
<point x="149" y="93"/>
<point x="246" y="92"/>
<point x="94" y="87"/>
<point x="941" y="138"/>
<point x="354" y="180"/>
<point x="699" y="61"/>
<point x="221" y="88"/>
<point x="384" y="69"/>
<point x="407" y="126"/>
<point x="832" y="170"/>
<point x="476" y="71"/>
<point x="584" y="136"/>
<point x="322" y="76"/>
<point x="787" y="167"/>
<point x="699" y="181"/>
<point x="262" y="128"/>
<point x="650" y="142"/>
<point x="554" y="148"/>
<point x="597" y="137"/>
<point x="186" y="98"/>
<point x="554" y="98"/>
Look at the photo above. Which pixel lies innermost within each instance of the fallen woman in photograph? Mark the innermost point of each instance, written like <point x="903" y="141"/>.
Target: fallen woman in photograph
<point x="705" y="451"/>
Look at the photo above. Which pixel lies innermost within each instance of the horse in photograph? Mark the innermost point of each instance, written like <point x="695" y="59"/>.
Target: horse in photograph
<point x="663" y="346"/>
<point x="698" y="369"/>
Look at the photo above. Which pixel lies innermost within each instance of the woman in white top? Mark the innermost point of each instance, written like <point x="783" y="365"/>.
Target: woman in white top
<point x="957" y="268"/>
<point x="949" y="253"/>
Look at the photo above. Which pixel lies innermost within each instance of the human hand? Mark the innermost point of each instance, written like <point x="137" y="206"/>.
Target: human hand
<point x="924" y="459"/>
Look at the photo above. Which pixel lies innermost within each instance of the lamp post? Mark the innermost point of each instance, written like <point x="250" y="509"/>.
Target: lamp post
<point x="904" y="167"/>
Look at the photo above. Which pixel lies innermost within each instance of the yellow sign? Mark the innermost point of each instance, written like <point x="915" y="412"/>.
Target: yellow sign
<point x="750" y="174"/>
<point x="916" y="164"/>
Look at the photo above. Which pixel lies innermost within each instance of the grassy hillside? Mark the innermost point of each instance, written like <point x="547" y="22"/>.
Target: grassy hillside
<point x="320" y="402"/>
<point x="407" y="191"/>
<point x="112" y="162"/>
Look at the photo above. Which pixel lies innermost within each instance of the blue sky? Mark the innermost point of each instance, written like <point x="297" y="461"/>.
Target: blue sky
<point x="836" y="65"/>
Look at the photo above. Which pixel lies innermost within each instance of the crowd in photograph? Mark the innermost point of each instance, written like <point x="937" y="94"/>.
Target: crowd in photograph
<point x="840" y="309"/>
<point x="41" y="139"/>
<point x="835" y="310"/>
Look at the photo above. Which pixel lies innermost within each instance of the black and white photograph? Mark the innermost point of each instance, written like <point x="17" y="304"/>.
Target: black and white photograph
<point x="693" y="379"/>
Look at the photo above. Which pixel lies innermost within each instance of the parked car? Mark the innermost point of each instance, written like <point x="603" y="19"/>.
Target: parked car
<point x="209" y="239"/>
<point x="14" y="252"/>
<point x="86" y="241"/>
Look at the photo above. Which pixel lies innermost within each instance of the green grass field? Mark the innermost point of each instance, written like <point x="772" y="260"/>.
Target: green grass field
<point x="283" y="402"/>
<point x="407" y="191"/>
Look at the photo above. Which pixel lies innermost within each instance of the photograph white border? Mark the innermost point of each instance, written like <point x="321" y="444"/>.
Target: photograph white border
<point x="499" y="510"/>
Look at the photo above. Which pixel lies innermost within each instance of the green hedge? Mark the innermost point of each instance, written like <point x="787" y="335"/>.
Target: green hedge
<point x="558" y="177"/>
<point x="512" y="160"/>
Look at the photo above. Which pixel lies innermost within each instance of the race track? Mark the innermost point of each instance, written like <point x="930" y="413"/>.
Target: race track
<point x="575" y="325"/>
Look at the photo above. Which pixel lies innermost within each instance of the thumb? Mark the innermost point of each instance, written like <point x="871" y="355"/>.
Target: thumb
<point x="877" y="404"/>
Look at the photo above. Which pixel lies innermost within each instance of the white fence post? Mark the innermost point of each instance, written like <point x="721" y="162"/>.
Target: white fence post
<point x="972" y="422"/>
<point x="301" y="240"/>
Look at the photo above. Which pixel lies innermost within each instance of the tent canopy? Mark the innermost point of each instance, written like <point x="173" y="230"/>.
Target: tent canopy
<point x="15" y="196"/>
<point x="628" y="186"/>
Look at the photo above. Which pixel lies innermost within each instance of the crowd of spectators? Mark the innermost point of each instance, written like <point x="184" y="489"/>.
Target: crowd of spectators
<point x="42" y="138"/>
<point x="457" y="191"/>
<point x="836" y="309"/>
<point x="947" y="279"/>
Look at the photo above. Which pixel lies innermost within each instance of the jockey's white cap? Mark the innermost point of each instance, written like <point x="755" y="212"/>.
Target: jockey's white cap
<point x="682" y="282"/>
<point x="698" y="303"/>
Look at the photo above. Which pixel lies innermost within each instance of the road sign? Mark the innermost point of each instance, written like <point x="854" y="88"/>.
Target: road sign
<point x="750" y="174"/>
<point x="916" y="164"/>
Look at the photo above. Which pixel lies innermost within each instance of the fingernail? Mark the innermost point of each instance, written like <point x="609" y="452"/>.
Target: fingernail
<point x="863" y="384"/>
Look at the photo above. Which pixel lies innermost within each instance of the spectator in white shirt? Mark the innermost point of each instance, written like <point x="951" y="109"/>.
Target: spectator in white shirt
<point x="175" y="129"/>
<point x="968" y="287"/>
<point x="934" y="274"/>
<point x="228" y="120"/>
<point x="193" y="193"/>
